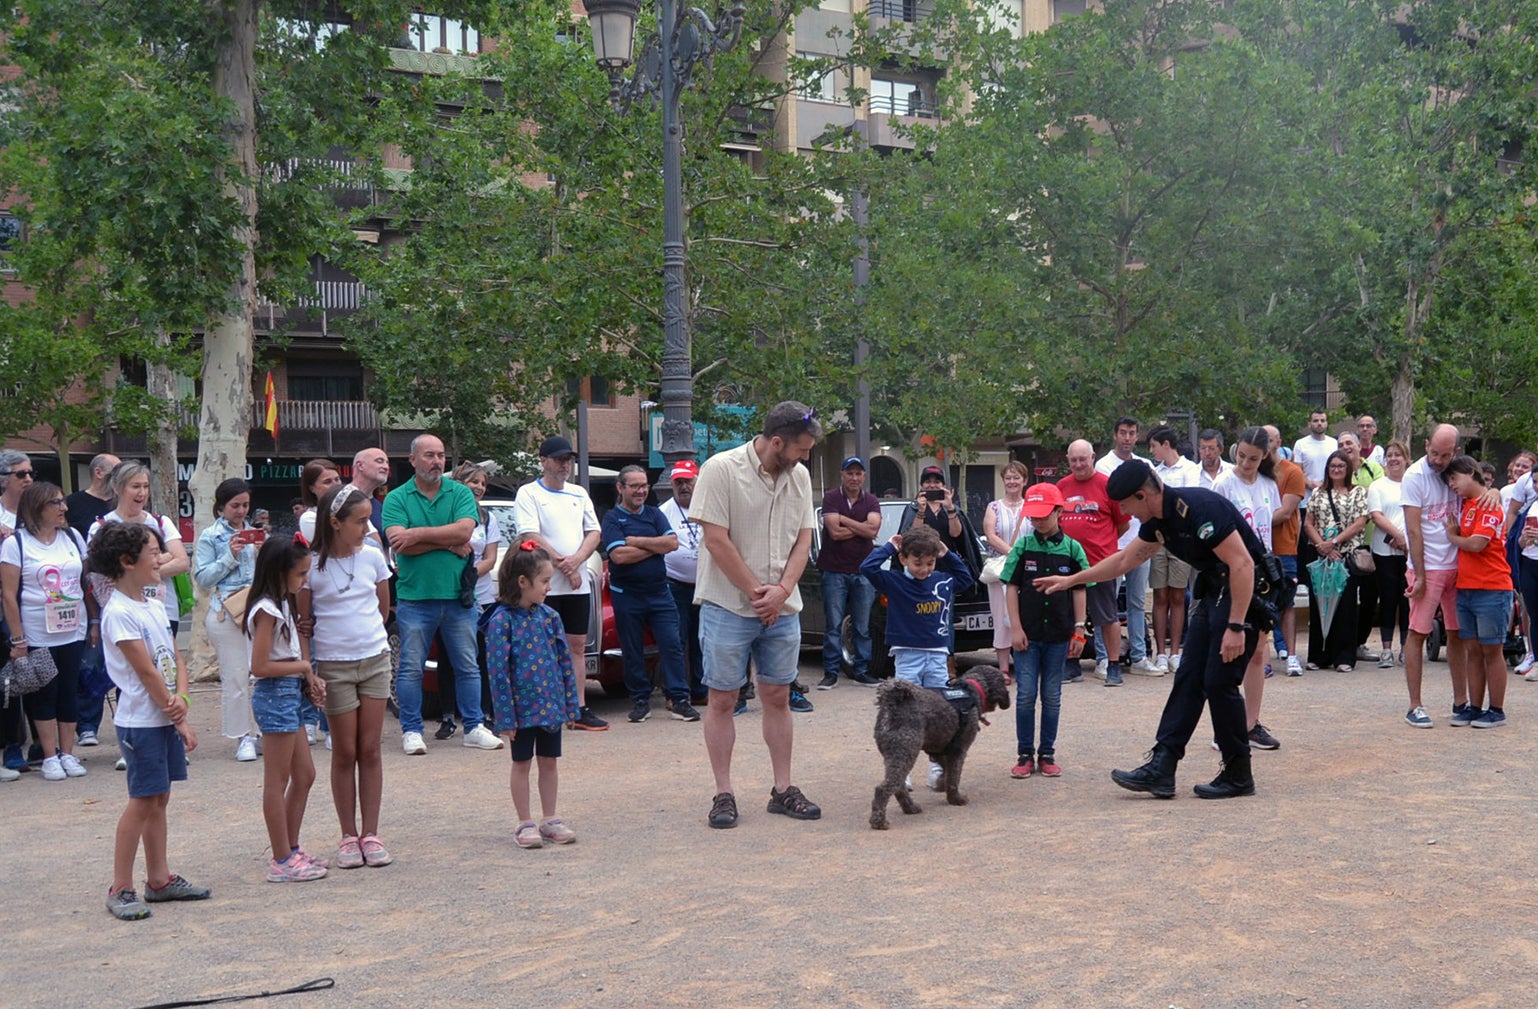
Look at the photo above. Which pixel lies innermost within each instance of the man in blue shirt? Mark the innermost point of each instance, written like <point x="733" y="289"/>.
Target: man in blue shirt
<point x="636" y="536"/>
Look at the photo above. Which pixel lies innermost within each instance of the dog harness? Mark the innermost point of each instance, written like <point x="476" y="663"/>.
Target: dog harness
<point x="965" y="702"/>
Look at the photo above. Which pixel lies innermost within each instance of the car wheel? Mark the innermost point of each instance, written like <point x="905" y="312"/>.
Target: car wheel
<point x="880" y="661"/>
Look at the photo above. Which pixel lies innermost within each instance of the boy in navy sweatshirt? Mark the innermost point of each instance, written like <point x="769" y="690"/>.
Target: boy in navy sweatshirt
<point x="919" y="602"/>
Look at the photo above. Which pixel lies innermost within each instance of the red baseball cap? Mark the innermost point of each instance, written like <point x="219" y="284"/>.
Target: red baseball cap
<point x="684" y="469"/>
<point x="1040" y="499"/>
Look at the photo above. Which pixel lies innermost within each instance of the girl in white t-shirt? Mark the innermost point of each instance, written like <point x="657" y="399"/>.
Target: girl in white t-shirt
<point x="1251" y="487"/>
<point x="280" y="662"/>
<point x="343" y="606"/>
<point x="151" y="716"/>
<point x="41" y="566"/>
<point x="131" y="484"/>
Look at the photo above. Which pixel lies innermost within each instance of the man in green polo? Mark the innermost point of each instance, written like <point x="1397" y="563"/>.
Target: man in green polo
<point x="428" y="521"/>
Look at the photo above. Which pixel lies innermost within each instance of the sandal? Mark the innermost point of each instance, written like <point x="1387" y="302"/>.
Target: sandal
<point x="793" y="804"/>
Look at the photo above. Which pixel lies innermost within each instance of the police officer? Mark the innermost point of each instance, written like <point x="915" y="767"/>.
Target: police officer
<point x="1207" y="532"/>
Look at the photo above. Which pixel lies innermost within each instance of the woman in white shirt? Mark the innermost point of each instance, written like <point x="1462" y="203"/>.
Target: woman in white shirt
<point x="131" y="484"/>
<point x="1251" y="486"/>
<point x="41" y="569"/>
<point x="1389" y="544"/>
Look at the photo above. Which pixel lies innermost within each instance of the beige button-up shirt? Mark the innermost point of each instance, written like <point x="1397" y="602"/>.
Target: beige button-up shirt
<point x="763" y="514"/>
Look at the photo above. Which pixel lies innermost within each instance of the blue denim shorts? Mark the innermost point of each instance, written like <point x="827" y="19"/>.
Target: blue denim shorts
<point x="275" y="701"/>
<point x="156" y="757"/>
<point x="536" y="740"/>
<point x="728" y="641"/>
<point x="1484" y="614"/>
<point x="922" y="667"/>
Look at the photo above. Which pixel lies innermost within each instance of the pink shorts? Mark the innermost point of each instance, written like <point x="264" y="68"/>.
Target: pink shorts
<point x="1441" y="590"/>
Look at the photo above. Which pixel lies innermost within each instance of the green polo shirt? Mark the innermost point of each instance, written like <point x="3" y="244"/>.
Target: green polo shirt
<point x="435" y="574"/>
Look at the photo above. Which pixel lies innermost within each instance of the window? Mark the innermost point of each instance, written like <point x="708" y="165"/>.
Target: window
<point x="895" y="10"/>
<point x="597" y="391"/>
<point x="1316" y="385"/>
<point x="320" y="383"/>
<point x="427" y="32"/>
<point x="901" y="98"/>
<point x="1066" y="9"/>
<point x="10" y="235"/>
<point x="823" y="88"/>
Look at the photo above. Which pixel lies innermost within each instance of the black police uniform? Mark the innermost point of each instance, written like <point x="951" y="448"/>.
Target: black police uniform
<point x="1194" y="522"/>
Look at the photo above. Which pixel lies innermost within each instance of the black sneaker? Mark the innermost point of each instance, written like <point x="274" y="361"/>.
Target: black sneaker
<point x="798" y="702"/>
<point x="723" y="811"/>
<point x="588" y="722"/>
<point x="740" y="707"/>
<point x="445" y="729"/>
<point x="683" y="711"/>
<point x="793" y="804"/>
<point x="1263" y="740"/>
<point x="640" y="711"/>
<point x="864" y="679"/>
<point x="828" y="682"/>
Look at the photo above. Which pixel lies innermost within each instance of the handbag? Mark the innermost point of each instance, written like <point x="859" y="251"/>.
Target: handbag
<point x="28" y="674"/>
<point x="1361" y="561"/>
<point x="993" y="567"/>
<point x="468" y="576"/>
<point x="233" y="606"/>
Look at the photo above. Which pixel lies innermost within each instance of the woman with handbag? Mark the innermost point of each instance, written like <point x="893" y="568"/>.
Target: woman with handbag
<point x="42" y="568"/>
<point x="1003" y="523"/>
<point x="224" y="561"/>
<point x="1337" y="516"/>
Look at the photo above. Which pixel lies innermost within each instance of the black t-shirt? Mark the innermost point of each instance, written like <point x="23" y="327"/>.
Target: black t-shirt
<point x="84" y="509"/>
<point x="1194" y="522"/>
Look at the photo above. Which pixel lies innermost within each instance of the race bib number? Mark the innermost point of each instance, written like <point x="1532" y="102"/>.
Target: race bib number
<point x="154" y="593"/>
<point x="61" y="615"/>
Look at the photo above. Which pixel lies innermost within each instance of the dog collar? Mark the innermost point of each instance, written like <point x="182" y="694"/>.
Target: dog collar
<point x="982" y="700"/>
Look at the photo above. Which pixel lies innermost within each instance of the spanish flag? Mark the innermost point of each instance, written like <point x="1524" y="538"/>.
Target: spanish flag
<point x="270" y="413"/>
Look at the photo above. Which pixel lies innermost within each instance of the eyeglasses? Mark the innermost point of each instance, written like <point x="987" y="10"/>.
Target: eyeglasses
<point x="57" y="502"/>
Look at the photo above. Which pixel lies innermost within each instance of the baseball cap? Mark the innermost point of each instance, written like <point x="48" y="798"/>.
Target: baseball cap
<point x="930" y="471"/>
<point x="554" y="447"/>
<point x="1128" y="479"/>
<point x="853" y="460"/>
<point x="1040" y="499"/>
<point x="684" y="469"/>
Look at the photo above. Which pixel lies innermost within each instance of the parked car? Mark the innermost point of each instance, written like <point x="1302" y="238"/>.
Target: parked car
<point x="972" y="618"/>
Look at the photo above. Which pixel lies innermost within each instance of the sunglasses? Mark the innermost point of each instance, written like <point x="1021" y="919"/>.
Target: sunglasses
<point x="24" y="474"/>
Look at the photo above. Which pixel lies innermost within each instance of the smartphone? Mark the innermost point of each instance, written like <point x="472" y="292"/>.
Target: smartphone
<point x="256" y="536"/>
<point x="1532" y="521"/>
<point x="932" y="494"/>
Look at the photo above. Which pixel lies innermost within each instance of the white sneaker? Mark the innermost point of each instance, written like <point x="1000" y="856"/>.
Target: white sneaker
<point x="1162" y="663"/>
<point x="1294" y="668"/>
<point x="1365" y="654"/>
<point x="1525" y="665"/>
<point x="245" y="750"/>
<point x="328" y="740"/>
<point x="1147" y="667"/>
<point x="121" y="765"/>
<point x="89" y="738"/>
<point x="936" y="774"/>
<point x="1101" y="668"/>
<point x="412" y="743"/>
<point x="72" y="765"/>
<point x="53" y="770"/>
<point x="1175" y="663"/>
<point x="7" y="774"/>
<point x="309" y="734"/>
<point x="482" y="738"/>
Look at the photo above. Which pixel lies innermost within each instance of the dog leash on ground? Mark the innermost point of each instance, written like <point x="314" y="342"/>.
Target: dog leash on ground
<point x="319" y="984"/>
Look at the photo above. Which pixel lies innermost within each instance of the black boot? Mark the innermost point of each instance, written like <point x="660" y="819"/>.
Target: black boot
<point x="1157" y="777"/>
<point x="1232" y="781"/>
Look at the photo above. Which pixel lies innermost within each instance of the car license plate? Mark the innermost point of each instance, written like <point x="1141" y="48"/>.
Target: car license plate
<point x="592" y="667"/>
<point x="979" y="621"/>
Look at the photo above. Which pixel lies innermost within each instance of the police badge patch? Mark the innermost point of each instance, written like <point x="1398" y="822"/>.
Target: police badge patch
<point x="1204" y="531"/>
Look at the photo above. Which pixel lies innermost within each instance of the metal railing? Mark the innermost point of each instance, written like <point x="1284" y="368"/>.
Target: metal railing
<point x="900" y="10"/>
<point x="319" y="415"/>
<point x="914" y="107"/>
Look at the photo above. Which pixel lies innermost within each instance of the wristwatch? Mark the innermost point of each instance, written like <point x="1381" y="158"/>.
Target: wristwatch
<point x="1239" y="627"/>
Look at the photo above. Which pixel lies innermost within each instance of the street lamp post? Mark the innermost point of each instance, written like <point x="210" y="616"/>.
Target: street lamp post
<point x="686" y="40"/>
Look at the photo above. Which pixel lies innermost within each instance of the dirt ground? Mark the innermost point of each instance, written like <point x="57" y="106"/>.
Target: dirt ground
<point x="1378" y="866"/>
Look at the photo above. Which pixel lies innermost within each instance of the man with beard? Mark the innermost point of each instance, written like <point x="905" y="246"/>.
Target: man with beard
<point x="428" y="521"/>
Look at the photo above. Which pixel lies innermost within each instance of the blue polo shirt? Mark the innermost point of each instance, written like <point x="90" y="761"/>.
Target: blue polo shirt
<point x="649" y="575"/>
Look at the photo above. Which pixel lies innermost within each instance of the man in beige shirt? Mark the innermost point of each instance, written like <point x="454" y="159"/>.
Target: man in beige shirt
<point x="753" y="504"/>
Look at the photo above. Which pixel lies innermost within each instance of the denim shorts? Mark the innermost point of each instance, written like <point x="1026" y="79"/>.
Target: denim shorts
<point x="155" y="756"/>
<point x="275" y="701"/>
<point x="536" y="740"/>
<point x="728" y="641"/>
<point x="1484" y="614"/>
<point x="922" y="667"/>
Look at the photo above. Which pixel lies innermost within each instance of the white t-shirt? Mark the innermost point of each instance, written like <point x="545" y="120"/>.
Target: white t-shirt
<point x="125" y="619"/>
<point x="1383" y="495"/>
<point x="1376" y="455"/>
<point x="1208" y="480"/>
<point x="285" y="635"/>
<point x="483" y="533"/>
<point x="52" y="602"/>
<point x="1255" y="501"/>
<point x="683" y="564"/>
<point x="344" y="600"/>
<point x="307" y="528"/>
<point x="165" y="592"/>
<point x="8" y="518"/>
<point x="564" y="518"/>
<point x="1523" y="492"/>
<point x="1107" y="464"/>
<point x="1424" y="488"/>
<point x="1311" y="454"/>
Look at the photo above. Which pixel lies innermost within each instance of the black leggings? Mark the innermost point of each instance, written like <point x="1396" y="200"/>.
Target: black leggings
<point x="1393" y="605"/>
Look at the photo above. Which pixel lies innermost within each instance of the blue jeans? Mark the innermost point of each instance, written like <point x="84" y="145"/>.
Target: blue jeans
<point x="855" y="595"/>
<point x="1136" y="582"/>
<point x="88" y="701"/>
<point x="418" y="621"/>
<point x="689" y="632"/>
<point x="634" y="611"/>
<point x="1039" y="672"/>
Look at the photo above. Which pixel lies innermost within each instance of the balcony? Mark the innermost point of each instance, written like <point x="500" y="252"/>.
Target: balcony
<point x="316" y="427"/>
<point x="911" y="11"/>
<point x="332" y="299"/>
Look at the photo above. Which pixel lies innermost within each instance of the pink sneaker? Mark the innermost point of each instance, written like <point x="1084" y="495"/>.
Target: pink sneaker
<point x="556" y="832"/>
<point x="1049" y="768"/>
<point x="349" y="855"/>
<point x="1024" y="769"/>
<point x="374" y="852"/>
<point x="295" y="870"/>
<point x="322" y="862"/>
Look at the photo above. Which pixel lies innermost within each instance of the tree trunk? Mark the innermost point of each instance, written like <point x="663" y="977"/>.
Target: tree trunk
<point x="225" y="419"/>
<point x="1402" y="399"/>
<point x="162" y="443"/>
